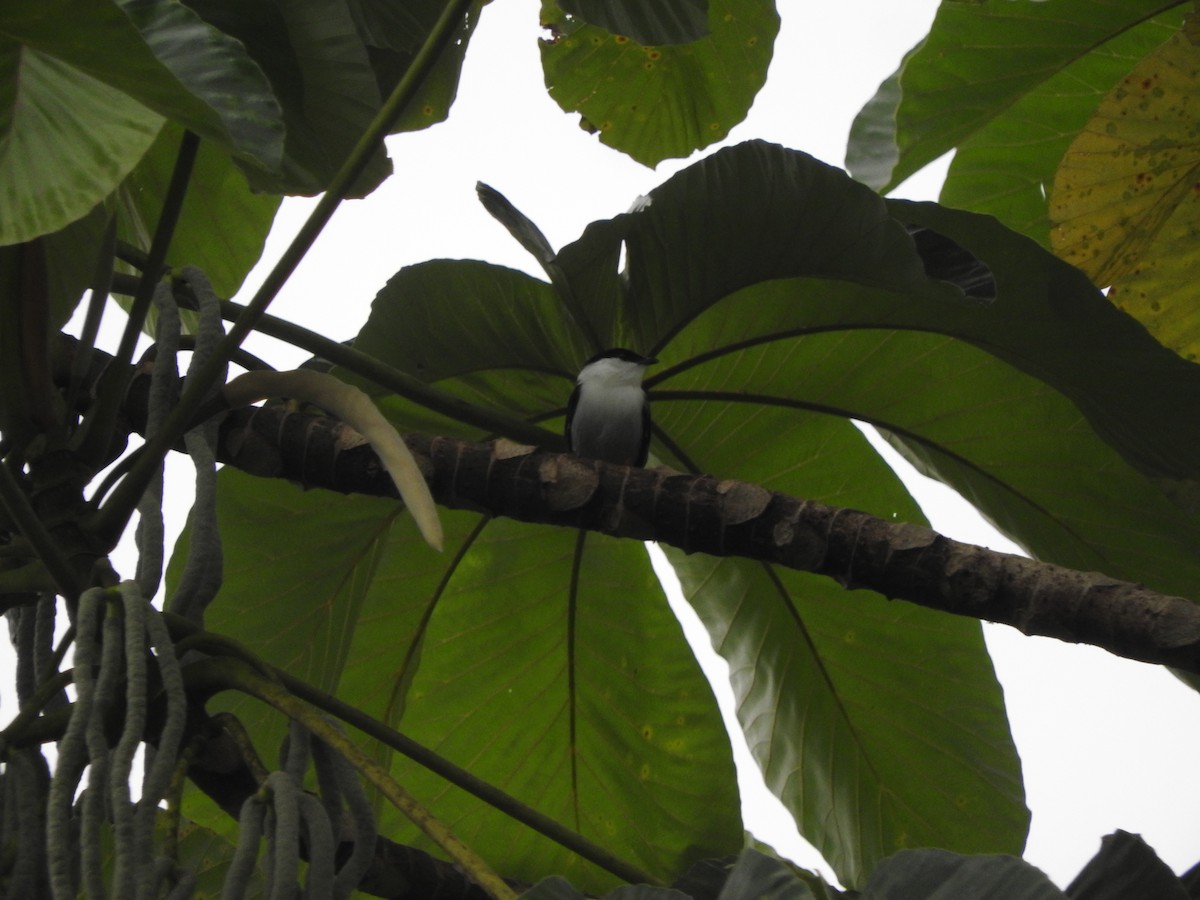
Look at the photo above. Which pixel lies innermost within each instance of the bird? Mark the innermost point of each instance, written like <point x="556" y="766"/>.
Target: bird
<point x="608" y="415"/>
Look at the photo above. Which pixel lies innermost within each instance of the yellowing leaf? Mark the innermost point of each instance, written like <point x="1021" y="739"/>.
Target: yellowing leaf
<point x="1160" y="291"/>
<point x="1126" y="191"/>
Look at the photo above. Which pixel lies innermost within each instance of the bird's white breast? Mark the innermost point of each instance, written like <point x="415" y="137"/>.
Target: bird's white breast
<point x="608" y="421"/>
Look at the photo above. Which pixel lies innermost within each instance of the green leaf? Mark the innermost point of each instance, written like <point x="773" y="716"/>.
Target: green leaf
<point x="559" y="673"/>
<point x="266" y="527"/>
<point x="57" y="162"/>
<point x="1126" y="866"/>
<point x="297" y="568"/>
<point x="757" y="875"/>
<point x="938" y="875"/>
<point x="393" y="34"/>
<point x="978" y="61"/>
<point x="567" y="683"/>
<point x="655" y="102"/>
<point x="668" y="22"/>
<point x="750" y="213"/>
<point x="828" y="687"/>
<point x="512" y="319"/>
<point x="223" y="225"/>
<point x="756" y="213"/>
<point x="208" y="856"/>
<point x="394" y="26"/>
<point x="1049" y="321"/>
<point x="162" y="55"/>
<point x="71" y="258"/>
<point x="320" y="71"/>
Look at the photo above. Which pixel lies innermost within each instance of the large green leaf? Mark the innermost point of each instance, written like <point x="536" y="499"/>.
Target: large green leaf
<point x="1049" y="321"/>
<point x="655" y="102"/>
<point x="296" y="605"/>
<point x="162" y="55"/>
<point x="320" y="71"/>
<point x="934" y="874"/>
<point x="578" y="695"/>
<point x="828" y="687"/>
<point x="87" y="87"/>
<point x="756" y="213"/>
<point x="223" y="225"/>
<point x="552" y="666"/>
<point x="977" y="63"/>
<point x="57" y="162"/>
<point x="518" y="319"/>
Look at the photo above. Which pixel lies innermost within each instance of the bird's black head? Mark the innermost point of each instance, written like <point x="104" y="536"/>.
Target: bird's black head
<point x="622" y="354"/>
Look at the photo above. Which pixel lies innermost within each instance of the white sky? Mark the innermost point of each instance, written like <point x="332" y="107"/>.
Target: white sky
<point x="1106" y="743"/>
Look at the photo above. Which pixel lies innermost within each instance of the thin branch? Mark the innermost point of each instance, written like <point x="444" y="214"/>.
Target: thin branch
<point x="223" y="674"/>
<point x="101" y="283"/>
<point x="188" y="636"/>
<point x="464" y="779"/>
<point x="18" y="508"/>
<point x="344" y="355"/>
<point x="164" y="233"/>
<point x="111" y="519"/>
<point x="93" y="438"/>
<point x="730" y="518"/>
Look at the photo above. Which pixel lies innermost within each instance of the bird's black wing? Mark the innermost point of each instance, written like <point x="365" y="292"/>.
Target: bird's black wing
<point x="571" y="404"/>
<point x="644" y="450"/>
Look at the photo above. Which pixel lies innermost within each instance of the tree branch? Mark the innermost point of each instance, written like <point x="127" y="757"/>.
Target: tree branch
<point x="701" y="514"/>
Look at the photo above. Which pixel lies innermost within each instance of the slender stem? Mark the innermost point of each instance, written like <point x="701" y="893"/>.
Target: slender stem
<point x="111" y="519"/>
<point x="186" y="633"/>
<point x="93" y="438"/>
<point x="374" y="370"/>
<point x="21" y="512"/>
<point x="236" y="674"/>
<point x="164" y="232"/>
<point x="48" y="688"/>
<point x="101" y="285"/>
<point x="401" y="383"/>
<point x="469" y="782"/>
